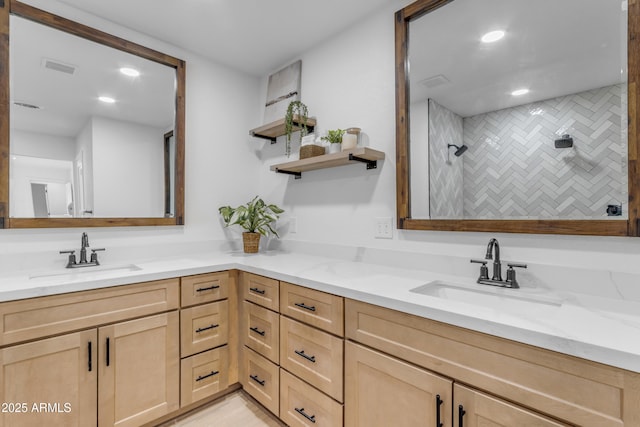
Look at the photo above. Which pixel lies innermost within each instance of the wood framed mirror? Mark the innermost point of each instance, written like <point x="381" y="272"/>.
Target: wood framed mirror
<point x="66" y="158"/>
<point x="434" y="81"/>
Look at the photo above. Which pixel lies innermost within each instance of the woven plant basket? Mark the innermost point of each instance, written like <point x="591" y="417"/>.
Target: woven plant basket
<point x="251" y="242"/>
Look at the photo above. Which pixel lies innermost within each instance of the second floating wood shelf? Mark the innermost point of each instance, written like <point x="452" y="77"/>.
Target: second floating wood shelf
<point x="364" y="155"/>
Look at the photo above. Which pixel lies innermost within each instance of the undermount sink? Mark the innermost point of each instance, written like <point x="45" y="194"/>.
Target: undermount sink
<point x="87" y="271"/>
<point x="498" y="298"/>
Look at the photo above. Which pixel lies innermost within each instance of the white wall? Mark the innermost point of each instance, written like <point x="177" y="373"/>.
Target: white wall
<point x="349" y="81"/>
<point x="128" y="168"/>
<point x="35" y="144"/>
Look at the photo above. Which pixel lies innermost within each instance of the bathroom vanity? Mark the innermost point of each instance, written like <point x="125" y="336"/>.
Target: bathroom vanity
<point x="316" y="341"/>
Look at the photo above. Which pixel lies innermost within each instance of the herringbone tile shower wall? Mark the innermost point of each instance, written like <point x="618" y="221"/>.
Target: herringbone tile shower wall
<point x="513" y="170"/>
<point x="445" y="169"/>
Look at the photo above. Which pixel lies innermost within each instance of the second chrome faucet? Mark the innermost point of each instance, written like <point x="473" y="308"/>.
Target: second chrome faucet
<point x="493" y="253"/>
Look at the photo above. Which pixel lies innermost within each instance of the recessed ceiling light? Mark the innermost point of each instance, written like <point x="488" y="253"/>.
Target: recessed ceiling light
<point x="492" y="36"/>
<point x="131" y="72"/>
<point x="107" y="99"/>
<point x="520" y="92"/>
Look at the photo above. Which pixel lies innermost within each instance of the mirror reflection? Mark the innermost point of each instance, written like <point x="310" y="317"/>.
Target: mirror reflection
<point x="88" y="128"/>
<point x="529" y="123"/>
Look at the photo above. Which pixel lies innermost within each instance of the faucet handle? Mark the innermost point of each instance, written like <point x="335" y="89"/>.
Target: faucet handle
<point x="484" y="271"/>
<point x="516" y="264"/>
<point x="72" y="258"/>
<point x="94" y="255"/>
<point x="511" y="274"/>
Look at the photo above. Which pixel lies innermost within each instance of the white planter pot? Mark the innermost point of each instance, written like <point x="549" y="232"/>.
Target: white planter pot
<point x="335" y="148"/>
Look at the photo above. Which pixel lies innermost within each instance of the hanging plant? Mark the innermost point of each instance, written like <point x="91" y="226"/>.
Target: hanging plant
<point x="295" y="108"/>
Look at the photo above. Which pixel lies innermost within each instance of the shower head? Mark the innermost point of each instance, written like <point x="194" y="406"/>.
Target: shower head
<point x="459" y="150"/>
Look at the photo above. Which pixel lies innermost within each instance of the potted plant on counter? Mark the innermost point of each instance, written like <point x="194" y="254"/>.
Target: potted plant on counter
<point x="297" y="113"/>
<point x="255" y="217"/>
<point x="334" y="138"/>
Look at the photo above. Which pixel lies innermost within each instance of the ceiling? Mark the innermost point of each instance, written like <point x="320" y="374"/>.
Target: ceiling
<point x="255" y="36"/>
<point x="551" y="47"/>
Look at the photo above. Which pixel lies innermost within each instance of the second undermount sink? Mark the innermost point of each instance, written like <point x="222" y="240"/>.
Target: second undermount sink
<point x="486" y="296"/>
<point x="100" y="270"/>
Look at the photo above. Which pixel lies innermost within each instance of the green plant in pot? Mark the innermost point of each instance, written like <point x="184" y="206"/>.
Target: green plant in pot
<point x="297" y="113"/>
<point x="333" y="137"/>
<point x="255" y="217"/>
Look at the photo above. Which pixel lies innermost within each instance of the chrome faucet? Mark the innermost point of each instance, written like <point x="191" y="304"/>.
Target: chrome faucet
<point x="493" y="253"/>
<point x="84" y="243"/>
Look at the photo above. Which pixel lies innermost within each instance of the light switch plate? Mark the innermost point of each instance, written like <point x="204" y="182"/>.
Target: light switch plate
<point x="383" y="228"/>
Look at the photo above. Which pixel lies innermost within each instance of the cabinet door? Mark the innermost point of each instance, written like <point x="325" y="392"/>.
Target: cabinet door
<point x="139" y="368"/>
<point x="475" y="409"/>
<point x="383" y="391"/>
<point x="51" y="382"/>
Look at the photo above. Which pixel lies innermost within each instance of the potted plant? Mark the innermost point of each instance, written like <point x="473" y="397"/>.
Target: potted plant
<point x="297" y="112"/>
<point x="334" y="137"/>
<point x="255" y="217"/>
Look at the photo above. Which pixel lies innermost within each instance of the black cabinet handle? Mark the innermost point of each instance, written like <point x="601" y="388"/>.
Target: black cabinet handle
<point x="461" y="413"/>
<point x="311" y="418"/>
<point x="306" y="307"/>
<point x="257" y="291"/>
<point x="90" y="356"/>
<point x="301" y="353"/>
<point x="210" y="374"/>
<point x="108" y="351"/>
<point x="206" y="328"/>
<point x="210" y="288"/>
<point x="439" y="403"/>
<point x="257" y="379"/>
<point x="257" y="331"/>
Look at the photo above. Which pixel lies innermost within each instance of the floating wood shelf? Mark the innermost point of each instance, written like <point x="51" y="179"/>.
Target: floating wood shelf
<point x="275" y="129"/>
<point x="364" y="155"/>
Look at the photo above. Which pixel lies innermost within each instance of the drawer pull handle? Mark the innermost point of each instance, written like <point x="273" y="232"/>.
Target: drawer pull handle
<point x="210" y="288"/>
<point x="90" y="356"/>
<point x="206" y="328"/>
<point x="257" y="331"/>
<point x="108" y="351"/>
<point x="439" y="403"/>
<point x="257" y="291"/>
<point x="257" y="379"/>
<point x="311" y="418"/>
<point x="306" y="307"/>
<point x="210" y="374"/>
<point x="461" y="413"/>
<point x="301" y="353"/>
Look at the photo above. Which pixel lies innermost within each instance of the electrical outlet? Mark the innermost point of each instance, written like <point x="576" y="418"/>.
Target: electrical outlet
<point x="293" y="225"/>
<point x="383" y="228"/>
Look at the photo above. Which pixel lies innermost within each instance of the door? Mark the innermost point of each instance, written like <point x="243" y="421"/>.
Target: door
<point x="475" y="409"/>
<point x="139" y="367"/>
<point x="381" y="390"/>
<point x="50" y="382"/>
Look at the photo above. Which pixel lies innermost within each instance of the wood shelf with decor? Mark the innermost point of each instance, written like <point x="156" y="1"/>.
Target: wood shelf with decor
<point x="364" y="155"/>
<point x="275" y="129"/>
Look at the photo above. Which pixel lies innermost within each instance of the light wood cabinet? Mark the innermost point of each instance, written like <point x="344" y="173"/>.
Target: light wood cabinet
<point x="319" y="309"/>
<point x="138" y="370"/>
<point x="303" y="406"/>
<point x="60" y="373"/>
<point x="384" y="391"/>
<point x="260" y="330"/>
<point x="204" y="375"/>
<point x="261" y="379"/>
<point x="203" y="288"/>
<point x="475" y="409"/>
<point x="260" y="290"/>
<point x="204" y="327"/>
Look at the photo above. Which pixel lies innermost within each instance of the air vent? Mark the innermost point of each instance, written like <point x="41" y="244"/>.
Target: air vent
<point x="434" y="81"/>
<point x="59" y="66"/>
<point x="26" y="105"/>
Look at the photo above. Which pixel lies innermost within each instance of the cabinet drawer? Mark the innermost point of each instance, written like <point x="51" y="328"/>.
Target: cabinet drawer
<point x="259" y="377"/>
<point x="313" y="355"/>
<point x="260" y="290"/>
<point x="320" y="309"/>
<point x="204" y="375"/>
<point x="203" y="327"/>
<point x="204" y="288"/>
<point x="568" y="388"/>
<point x="304" y="406"/>
<point x="260" y="330"/>
<point x="39" y="317"/>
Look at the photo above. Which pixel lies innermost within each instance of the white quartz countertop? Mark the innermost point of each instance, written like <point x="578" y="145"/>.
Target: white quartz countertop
<point x="599" y="329"/>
